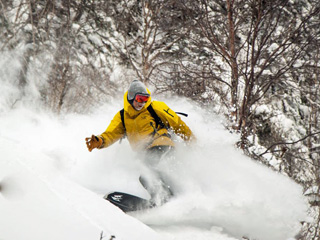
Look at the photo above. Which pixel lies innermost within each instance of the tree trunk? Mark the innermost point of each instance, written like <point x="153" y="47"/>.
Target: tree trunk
<point x="233" y="60"/>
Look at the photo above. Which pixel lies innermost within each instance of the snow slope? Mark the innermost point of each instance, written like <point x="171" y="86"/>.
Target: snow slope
<point x="52" y="187"/>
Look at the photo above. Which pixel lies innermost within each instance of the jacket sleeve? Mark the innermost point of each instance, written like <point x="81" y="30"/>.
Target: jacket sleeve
<point x="173" y="121"/>
<point x="114" y="132"/>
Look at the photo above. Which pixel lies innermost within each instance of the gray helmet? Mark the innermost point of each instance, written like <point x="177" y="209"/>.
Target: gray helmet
<point x="136" y="87"/>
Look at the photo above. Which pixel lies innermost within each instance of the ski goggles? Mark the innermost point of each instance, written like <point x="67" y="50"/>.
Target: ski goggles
<point x="141" y="98"/>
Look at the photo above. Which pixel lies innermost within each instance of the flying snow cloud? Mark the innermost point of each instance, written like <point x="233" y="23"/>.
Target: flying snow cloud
<point x="51" y="182"/>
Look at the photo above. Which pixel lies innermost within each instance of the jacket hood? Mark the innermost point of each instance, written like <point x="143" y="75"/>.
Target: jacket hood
<point x="130" y="109"/>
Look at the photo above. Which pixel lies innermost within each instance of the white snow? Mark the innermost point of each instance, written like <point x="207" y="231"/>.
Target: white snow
<point x="52" y="187"/>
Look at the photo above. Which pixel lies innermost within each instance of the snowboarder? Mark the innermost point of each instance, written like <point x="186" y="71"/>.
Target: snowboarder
<point x="145" y="123"/>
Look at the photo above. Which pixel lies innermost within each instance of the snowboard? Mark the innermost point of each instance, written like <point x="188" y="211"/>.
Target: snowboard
<point x="127" y="202"/>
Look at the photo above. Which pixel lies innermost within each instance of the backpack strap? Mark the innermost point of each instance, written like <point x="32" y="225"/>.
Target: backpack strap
<point x="122" y="118"/>
<point x="156" y="117"/>
<point x="152" y="113"/>
<point x="183" y="114"/>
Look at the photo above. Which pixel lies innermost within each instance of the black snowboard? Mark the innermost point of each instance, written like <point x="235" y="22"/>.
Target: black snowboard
<point x="127" y="202"/>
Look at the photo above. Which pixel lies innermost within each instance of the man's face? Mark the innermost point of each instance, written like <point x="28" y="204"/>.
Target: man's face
<point x="140" y="100"/>
<point x="138" y="105"/>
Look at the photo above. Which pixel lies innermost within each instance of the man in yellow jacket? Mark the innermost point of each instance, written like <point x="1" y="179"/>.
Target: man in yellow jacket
<point x="146" y="124"/>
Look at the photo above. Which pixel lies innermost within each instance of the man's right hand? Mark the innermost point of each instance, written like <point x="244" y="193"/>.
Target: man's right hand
<point x="94" y="142"/>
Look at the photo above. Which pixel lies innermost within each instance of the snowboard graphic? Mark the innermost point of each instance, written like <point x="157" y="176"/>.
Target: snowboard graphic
<point x="127" y="202"/>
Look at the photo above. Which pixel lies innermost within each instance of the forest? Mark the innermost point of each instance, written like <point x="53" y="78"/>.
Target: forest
<point x="255" y="62"/>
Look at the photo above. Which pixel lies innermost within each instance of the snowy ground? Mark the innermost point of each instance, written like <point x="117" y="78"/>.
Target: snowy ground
<point x="52" y="187"/>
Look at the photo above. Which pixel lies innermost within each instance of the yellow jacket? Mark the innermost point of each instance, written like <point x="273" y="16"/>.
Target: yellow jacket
<point x="140" y="133"/>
